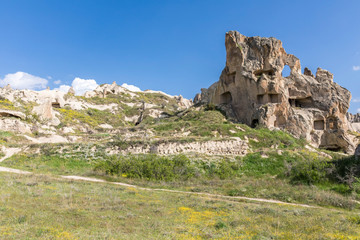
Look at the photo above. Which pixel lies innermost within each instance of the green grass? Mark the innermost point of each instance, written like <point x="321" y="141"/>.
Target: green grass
<point x="252" y="176"/>
<point x="40" y="207"/>
<point x="91" y="117"/>
<point x="11" y="139"/>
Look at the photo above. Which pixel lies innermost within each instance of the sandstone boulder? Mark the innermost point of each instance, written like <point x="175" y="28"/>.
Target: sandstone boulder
<point x="253" y="90"/>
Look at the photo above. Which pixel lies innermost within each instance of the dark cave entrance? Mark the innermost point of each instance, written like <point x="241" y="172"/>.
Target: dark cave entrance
<point x="55" y="105"/>
<point x="254" y="123"/>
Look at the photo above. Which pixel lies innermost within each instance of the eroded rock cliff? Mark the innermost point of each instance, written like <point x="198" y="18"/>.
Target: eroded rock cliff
<point x="252" y="90"/>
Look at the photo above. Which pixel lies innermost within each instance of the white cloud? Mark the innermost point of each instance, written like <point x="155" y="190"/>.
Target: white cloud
<point x="49" y="77"/>
<point x="22" y="80"/>
<point x="63" y="88"/>
<point x="83" y="85"/>
<point x="131" y="87"/>
<point x="356" y="100"/>
<point x="57" y="82"/>
<point x="358" y="110"/>
<point x="356" y="68"/>
<point x="80" y="86"/>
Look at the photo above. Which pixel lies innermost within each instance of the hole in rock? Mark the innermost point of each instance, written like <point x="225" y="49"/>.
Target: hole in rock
<point x="226" y="97"/>
<point x="302" y="102"/>
<point x="55" y="105"/>
<point x="275" y="98"/>
<point x="319" y="124"/>
<point x="260" y="99"/>
<point x="254" y="123"/>
<point x="286" y="71"/>
<point x="258" y="73"/>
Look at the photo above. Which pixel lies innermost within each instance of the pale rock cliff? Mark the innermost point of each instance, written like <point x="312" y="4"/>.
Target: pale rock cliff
<point x="252" y="90"/>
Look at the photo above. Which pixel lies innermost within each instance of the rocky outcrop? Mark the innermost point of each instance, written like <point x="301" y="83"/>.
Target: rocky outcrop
<point x="353" y="122"/>
<point x="252" y="90"/>
<point x="109" y="89"/>
<point x="234" y="146"/>
<point x="353" y="118"/>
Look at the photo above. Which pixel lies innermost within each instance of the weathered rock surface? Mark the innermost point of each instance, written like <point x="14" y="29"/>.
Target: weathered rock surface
<point x="234" y="146"/>
<point x="354" y="122"/>
<point x="252" y="90"/>
<point x="353" y="118"/>
<point x="14" y="125"/>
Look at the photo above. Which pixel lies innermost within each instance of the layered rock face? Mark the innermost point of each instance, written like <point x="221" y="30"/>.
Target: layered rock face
<point x="252" y="90"/>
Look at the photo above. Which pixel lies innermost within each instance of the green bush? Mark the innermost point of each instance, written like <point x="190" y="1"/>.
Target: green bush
<point x="151" y="167"/>
<point x="179" y="167"/>
<point x="309" y="171"/>
<point x="223" y="169"/>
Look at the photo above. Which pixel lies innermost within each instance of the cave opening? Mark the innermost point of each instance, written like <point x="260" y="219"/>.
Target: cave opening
<point x="260" y="99"/>
<point x="301" y="102"/>
<point x="275" y="98"/>
<point x="226" y="98"/>
<point x="319" y="125"/>
<point x="254" y="123"/>
<point x="56" y="105"/>
<point x="258" y="73"/>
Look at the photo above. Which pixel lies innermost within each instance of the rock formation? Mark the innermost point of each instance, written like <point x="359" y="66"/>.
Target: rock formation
<point x="252" y="90"/>
<point x="71" y="91"/>
<point x="354" y="122"/>
<point x="353" y="118"/>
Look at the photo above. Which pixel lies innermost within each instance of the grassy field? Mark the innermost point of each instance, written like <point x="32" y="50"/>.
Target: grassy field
<point x="286" y="177"/>
<point x="41" y="207"/>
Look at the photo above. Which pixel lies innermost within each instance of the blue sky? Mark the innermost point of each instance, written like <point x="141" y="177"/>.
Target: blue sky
<point x="173" y="46"/>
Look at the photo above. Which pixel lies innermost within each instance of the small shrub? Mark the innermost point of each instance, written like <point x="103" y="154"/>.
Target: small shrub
<point x="149" y="167"/>
<point x="153" y="167"/>
<point x="220" y="225"/>
<point x="355" y="219"/>
<point x="309" y="171"/>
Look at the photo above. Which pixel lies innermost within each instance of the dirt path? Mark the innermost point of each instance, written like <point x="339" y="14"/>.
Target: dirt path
<point x="78" y="178"/>
<point x="12" y="170"/>
<point x="215" y="196"/>
<point x="9" y="152"/>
